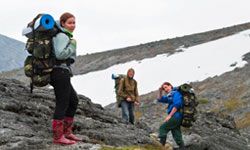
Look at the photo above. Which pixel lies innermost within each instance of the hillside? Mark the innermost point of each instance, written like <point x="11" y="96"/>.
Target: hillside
<point x="192" y="64"/>
<point x="228" y="94"/>
<point x="224" y="110"/>
<point x="103" y="60"/>
<point x="12" y="53"/>
<point x="25" y="121"/>
<point x="26" y="124"/>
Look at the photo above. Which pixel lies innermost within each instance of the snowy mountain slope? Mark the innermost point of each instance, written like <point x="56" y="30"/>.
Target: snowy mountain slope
<point x="12" y="53"/>
<point x="197" y="63"/>
<point x="102" y="60"/>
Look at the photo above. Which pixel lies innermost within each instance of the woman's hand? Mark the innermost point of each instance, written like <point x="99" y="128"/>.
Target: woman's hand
<point x="160" y="89"/>
<point x="137" y="103"/>
<point x="129" y="99"/>
<point x="159" y="93"/>
<point x="167" y="118"/>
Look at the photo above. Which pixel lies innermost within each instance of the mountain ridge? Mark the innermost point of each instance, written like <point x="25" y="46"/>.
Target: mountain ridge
<point x="12" y="53"/>
<point x="102" y="60"/>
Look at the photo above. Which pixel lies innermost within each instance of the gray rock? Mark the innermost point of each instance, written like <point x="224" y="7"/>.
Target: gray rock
<point x="25" y="121"/>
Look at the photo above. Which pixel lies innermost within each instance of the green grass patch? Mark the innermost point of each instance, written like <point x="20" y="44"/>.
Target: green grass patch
<point x="138" y="115"/>
<point x="143" y="147"/>
<point x="203" y="101"/>
<point x="232" y="104"/>
<point x="243" y="122"/>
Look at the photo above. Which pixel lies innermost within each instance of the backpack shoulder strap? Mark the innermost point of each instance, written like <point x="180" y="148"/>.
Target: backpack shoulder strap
<point x="135" y="82"/>
<point x="31" y="24"/>
<point x="122" y="80"/>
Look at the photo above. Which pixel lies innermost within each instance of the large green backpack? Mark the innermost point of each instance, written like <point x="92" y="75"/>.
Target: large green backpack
<point x="117" y="79"/>
<point x="39" y="64"/>
<point x="190" y="103"/>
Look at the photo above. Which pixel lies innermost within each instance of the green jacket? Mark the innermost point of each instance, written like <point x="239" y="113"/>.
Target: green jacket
<point x="128" y="88"/>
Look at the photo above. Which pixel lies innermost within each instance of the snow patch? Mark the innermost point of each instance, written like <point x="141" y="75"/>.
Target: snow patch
<point x="193" y="64"/>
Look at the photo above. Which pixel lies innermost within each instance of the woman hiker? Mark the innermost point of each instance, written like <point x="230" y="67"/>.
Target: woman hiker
<point x="174" y="117"/>
<point x="66" y="97"/>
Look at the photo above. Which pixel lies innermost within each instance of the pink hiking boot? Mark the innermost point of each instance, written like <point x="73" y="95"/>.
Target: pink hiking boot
<point x="58" y="136"/>
<point x="68" y="124"/>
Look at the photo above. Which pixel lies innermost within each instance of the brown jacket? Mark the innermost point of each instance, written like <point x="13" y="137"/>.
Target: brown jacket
<point x="128" y="88"/>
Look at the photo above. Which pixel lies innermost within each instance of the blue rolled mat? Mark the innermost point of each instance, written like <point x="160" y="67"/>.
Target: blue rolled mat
<point x="45" y="22"/>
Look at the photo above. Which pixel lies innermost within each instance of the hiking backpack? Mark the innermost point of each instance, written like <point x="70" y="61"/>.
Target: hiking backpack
<point x="189" y="105"/>
<point x="117" y="79"/>
<point x="39" y="64"/>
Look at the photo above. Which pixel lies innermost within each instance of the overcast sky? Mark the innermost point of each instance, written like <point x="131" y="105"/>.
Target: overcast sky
<point x="109" y="24"/>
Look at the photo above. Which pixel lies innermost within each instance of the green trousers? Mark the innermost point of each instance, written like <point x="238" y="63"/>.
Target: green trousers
<point x="173" y="125"/>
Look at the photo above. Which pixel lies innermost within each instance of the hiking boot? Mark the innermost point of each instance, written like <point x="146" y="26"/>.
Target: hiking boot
<point x="181" y="147"/>
<point x="163" y="140"/>
<point x="68" y="124"/>
<point x="58" y="137"/>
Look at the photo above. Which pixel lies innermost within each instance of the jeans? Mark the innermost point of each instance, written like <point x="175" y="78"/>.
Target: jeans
<point x="127" y="111"/>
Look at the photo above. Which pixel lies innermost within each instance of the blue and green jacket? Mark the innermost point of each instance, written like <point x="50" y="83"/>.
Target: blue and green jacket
<point x="173" y="99"/>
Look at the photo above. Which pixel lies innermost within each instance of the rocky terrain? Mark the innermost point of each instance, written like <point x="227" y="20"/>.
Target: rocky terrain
<point x="103" y="60"/>
<point x="25" y="121"/>
<point x="26" y="124"/>
<point x="224" y="101"/>
<point x="229" y="94"/>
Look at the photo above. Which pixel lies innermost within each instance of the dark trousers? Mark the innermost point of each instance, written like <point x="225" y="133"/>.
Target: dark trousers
<point x="172" y="125"/>
<point x="66" y="97"/>
<point x="128" y="111"/>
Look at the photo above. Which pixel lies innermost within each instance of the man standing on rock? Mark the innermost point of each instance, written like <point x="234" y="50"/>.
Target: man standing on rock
<point x="174" y="118"/>
<point x="129" y="94"/>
